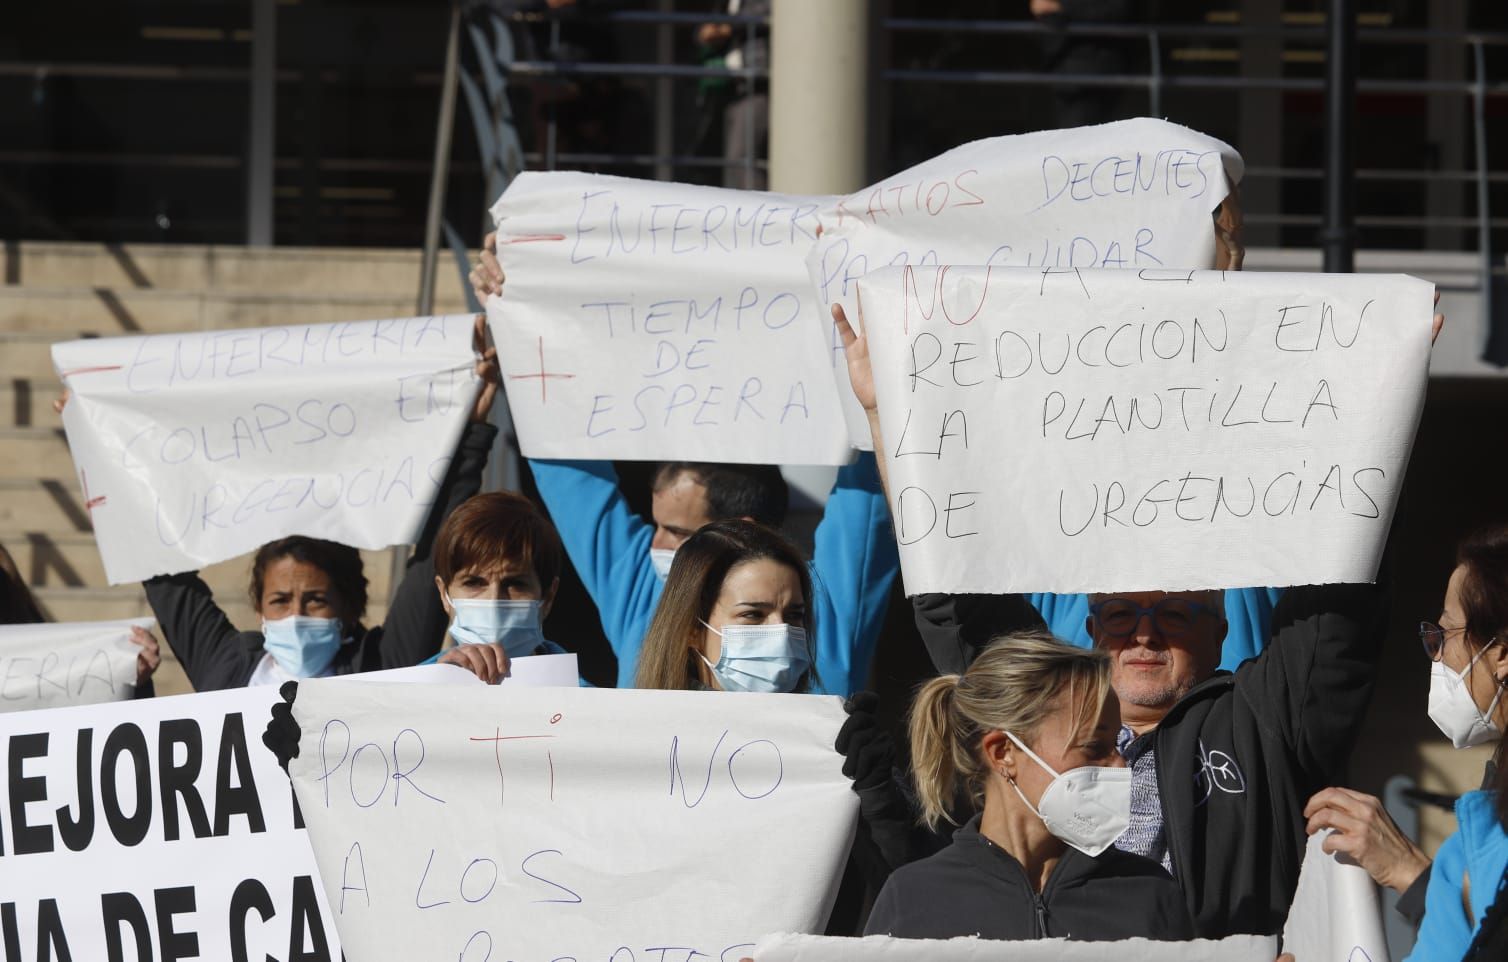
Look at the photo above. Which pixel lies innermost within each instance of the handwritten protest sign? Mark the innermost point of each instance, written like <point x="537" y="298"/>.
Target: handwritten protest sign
<point x="879" y="948"/>
<point x="197" y="447"/>
<point x="651" y="321"/>
<point x="1132" y="194"/>
<point x="1222" y="429"/>
<point x="580" y="823"/>
<point x="1336" y="914"/>
<point x="155" y="829"/>
<point x="67" y="663"/>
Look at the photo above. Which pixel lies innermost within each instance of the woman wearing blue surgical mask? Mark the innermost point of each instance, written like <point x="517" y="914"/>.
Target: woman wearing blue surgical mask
<point x="1029" y="733"/>
<point x="497" y="569"/>
<point x="1465" y="908"/>
<point x="733" y="616"/>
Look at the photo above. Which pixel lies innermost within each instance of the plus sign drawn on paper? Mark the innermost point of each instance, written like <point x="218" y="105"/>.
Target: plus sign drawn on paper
<point x="543" y="375"/>
<point x="89" y="503"/>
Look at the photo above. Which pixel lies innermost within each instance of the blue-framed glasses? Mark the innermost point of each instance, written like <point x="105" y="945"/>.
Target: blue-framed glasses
<point x="1173" y="617"/>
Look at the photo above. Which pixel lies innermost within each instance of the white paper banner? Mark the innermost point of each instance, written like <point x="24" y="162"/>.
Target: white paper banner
<point x="1222" y="429"/>
<point x="652" y="321"/>
<point x="1336" y="914"/>
<point x="155" y="829"/>
<point x="67" y="663"/>
<point x="581" y="823"/>
<point x="1132" y="194"/>
<point x="198" y="447"/>
<point x="882" y="948"/>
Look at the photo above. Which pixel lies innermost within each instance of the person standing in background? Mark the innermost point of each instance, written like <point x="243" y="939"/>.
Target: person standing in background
<point x="746" y="116"/>
<point x="1075" y="105"/>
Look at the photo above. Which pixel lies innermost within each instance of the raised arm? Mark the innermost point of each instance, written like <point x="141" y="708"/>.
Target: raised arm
<point x="416" y="620"/>
<point x="609" y="545"/>
<point x="854" y="563"/>
<point x="955" y="628"/>
<point x="213" y="652"/>
<point x="1313" y="682"/>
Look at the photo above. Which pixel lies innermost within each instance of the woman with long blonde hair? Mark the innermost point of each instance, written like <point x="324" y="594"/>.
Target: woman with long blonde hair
<point x="1028" y="732"/>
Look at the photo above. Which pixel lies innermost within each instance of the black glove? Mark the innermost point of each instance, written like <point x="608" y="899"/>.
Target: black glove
<point x="865" y="746"/>
<point x="282" y="732"/>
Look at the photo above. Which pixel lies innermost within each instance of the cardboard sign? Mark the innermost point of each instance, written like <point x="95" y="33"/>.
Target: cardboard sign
<point x="1131" y="194"/>
<point x="662" y="322"/>
<point x="197" y="447"/>
<point x="1219" y="429"/>
<point x="880" y="948"/>
<point x="580" y="823"/>
<point x="67" y="663"/>
<point x="155" y="829"/>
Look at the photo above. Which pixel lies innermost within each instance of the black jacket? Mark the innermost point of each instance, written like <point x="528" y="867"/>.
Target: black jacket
<point x="975" y="887"/>
<point x="216" y="655"/>
<point x="1240" y="754"/>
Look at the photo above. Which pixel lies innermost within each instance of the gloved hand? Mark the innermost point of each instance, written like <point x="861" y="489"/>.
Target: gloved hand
<point x="282" y="732"/>
<point x="868" y="754"/>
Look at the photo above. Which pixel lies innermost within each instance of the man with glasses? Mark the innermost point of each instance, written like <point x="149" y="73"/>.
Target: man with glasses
<point x="1222" y="762"/>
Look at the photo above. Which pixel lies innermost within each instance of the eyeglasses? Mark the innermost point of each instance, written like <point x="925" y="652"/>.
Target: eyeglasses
<point x="1172" y="617"/>
<point x="1433" y="637"/>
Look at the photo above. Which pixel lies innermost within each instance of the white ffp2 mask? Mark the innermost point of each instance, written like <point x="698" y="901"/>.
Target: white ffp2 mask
<point x="1087" y="807"/>
<point x="1455" y="712"/>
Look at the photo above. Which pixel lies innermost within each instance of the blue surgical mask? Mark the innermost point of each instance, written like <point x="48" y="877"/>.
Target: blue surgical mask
<point x="760" y="658"/>
<point x="301" y="645"/>
<point x="662" y="558"/>
<point x="483" y="621"/>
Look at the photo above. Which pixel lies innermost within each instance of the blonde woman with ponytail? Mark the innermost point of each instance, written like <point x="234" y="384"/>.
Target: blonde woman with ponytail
<point x="1028" y="733"/>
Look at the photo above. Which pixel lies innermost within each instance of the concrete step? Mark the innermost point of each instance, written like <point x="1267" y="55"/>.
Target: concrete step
<point x="72" y="560"/>
<point x="29" y="355"/>
<point x="65" y="312"/>
<point x="34" y="453"/>
<point x="54" y="505"/>
<point x="311" y="270"/>
<point x="27" y="402"/>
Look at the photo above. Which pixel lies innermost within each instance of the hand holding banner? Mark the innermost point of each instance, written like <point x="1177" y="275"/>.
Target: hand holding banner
<point x="197" y="447"/>
<point x="67" y="663"/>
<point x="545" y="823"/>
<point x="1222" y="429"/>
<point x="662" y="322"/>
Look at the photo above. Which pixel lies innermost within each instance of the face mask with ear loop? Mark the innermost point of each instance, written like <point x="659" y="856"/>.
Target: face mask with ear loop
<point x="1454" y="711"/>
<point x="1087" y="807"/>
<point x="768" y="659"/>
<point x="303" y="646"/>
<point x="661" y="558"/>
<point x="484" y="621"/>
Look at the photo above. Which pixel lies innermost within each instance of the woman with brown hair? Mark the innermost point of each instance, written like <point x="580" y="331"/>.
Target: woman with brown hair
<point x="1466" y="904"/>
<point x="497" y="563"/>
<point x="734" y="615"/>
<point x="1028" y="732"/>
